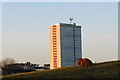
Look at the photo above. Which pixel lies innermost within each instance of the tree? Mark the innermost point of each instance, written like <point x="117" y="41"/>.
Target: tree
<point x="12" y="68"/>
<point x="84" y="62"/>
<point x="6" y="61"/>
<point x="0" y="65"/>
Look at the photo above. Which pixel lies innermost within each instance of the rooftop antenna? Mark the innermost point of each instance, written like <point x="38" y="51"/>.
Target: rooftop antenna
<point x="71" y="20"/>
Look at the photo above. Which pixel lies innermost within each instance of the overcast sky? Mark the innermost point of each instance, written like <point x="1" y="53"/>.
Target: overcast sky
<point x="26" y="28"/>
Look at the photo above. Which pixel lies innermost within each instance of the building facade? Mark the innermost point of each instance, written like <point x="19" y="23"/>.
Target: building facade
<point x="65" y="45"/>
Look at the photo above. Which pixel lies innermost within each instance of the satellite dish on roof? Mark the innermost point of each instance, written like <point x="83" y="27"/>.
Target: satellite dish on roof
<point x="71" y="19"/>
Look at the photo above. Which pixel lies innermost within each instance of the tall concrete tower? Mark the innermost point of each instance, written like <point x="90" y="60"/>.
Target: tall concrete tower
<point x="65" y="45"/>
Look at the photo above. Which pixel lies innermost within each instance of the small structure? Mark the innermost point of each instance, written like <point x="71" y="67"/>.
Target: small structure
<point x="39" y="68"/>
<point x="46" y="66"/>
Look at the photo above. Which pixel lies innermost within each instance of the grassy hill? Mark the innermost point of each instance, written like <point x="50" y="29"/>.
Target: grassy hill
<point x="99" y="70"/>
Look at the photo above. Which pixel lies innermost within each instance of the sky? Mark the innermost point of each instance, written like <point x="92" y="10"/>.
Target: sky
<point x="60" y="0"/>
<point x="0" y="30"/>
<point x="25" y="29"/>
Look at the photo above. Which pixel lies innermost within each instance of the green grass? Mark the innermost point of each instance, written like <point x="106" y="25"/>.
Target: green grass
<point x="99" y="70"/>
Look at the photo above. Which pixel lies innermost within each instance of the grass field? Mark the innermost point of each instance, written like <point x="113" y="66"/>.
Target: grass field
<point x="100" y="70"/>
